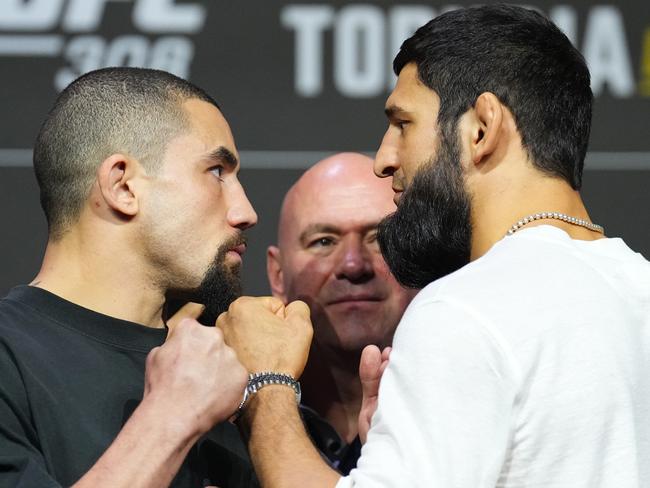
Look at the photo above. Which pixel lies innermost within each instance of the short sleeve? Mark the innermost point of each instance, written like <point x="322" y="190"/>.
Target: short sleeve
<point x="445" y="404"/>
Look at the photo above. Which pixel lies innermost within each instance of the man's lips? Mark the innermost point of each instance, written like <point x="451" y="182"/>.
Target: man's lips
<point x="356" y="298"/>
<point x="239" y="249"/>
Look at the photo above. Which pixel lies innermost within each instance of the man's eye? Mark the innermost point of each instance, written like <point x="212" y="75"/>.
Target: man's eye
<point x="402" y="124"/>
<point x="321" y="242"/>
<point x="217" y="171"/>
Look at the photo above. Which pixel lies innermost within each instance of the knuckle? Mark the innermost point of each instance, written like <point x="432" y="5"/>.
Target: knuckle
<point x="242" y="375"/>
<point x="230" y="354"/>
<point x="223" y="317"/>
<point x="187" y="326"/>
<point x="218" y="335"/>
<point x="151" y="357"/>
<point x="242" y="302"/>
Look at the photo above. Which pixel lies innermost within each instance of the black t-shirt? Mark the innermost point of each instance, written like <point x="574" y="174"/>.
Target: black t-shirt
<point x="69" y="380"/>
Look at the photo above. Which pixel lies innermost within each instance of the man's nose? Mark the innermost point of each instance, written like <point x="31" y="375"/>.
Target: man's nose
<point x="355" y="261"/>
<point x="386" y="158"/>
<point x="241" y="213"/>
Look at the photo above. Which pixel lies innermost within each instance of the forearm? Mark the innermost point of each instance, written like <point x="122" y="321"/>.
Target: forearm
<point x="283" y="454"/>
<point x="148" y="452"/>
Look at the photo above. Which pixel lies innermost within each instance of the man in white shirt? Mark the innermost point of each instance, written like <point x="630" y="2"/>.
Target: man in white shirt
<point x="524" y="361"/>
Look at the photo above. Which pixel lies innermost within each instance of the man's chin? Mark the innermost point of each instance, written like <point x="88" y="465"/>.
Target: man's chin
<point x="220" y="286"/>
<point x="354" y="331"/>
<point x="353" y="315"/>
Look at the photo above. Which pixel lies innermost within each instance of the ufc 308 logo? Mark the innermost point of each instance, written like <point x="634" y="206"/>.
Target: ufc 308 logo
<point x="30" y="28"/>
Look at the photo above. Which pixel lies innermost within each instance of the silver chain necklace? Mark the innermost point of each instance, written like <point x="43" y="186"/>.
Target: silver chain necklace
<point x="558" y="216"/>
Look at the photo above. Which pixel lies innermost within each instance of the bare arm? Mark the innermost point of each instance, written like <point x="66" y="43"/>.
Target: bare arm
<point x="147" y="452"/>
<point x="282" y="452"/>
<point x="192" y="382"/>
<point x="272" y="419"/>
<point x="269" y="337"/>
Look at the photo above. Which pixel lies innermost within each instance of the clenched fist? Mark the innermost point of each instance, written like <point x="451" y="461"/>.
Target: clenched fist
<point x="195" y="377"/>
<point x="268" y="336"/>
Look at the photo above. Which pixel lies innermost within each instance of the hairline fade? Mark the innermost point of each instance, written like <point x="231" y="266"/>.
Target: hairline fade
<point x="133" y="111"/>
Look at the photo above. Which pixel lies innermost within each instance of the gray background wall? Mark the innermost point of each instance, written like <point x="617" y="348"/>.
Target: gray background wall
<point x="296" y="81"/>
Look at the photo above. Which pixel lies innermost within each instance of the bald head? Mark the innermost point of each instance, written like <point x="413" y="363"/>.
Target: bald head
<point x="327" y="253"/>
<point x="342" y="175"/>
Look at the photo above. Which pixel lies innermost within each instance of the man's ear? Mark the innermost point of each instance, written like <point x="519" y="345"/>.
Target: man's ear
<point x="274" y="273"/>
<point x="486" y="127"/>
<point x="115" y="178"/>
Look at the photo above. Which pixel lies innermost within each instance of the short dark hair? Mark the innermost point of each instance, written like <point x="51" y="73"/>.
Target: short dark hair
<point x="135" y="111"/>
<point x="523" y="59"/>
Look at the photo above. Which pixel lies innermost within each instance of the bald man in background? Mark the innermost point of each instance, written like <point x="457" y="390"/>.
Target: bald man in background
<point x="327" y="255"/>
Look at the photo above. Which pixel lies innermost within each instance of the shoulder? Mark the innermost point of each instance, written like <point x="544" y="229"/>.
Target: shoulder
<point x="540" y="260"/>
<point x="16" y="318"/>
<point x="25" y="331"/>
<point x="530" y="291"/>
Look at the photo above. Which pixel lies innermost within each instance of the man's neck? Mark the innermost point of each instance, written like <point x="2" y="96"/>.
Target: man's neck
<point x="331" y="387"/>
<point x="100" y="278"/>
<point x="493" y="216"/>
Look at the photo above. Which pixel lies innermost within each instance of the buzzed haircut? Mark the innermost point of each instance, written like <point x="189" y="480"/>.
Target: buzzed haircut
<point x="526" y="61"/>
<point x="132" y="111"/>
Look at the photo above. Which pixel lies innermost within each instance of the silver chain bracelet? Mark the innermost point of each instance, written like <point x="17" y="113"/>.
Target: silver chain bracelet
<point x="257" y="381"/>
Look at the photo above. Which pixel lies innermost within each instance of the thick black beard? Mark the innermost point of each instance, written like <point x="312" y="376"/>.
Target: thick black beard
<point x="221" y="285"/>
<point x="429" y="235"/>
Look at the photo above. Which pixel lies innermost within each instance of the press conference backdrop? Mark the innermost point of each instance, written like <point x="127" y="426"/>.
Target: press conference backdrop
<point x="296" y="81"/>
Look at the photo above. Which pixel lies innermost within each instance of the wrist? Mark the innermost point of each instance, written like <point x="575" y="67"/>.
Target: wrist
<point x="177" y="426"/>
<point x="274" y="403"/>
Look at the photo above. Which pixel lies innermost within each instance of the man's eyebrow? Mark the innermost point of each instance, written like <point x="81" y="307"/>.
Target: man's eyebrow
<point x="393" y="111"/>
<point x="224" y="156"/>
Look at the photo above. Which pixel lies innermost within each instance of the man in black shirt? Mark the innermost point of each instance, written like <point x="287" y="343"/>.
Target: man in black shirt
<point x="138" y="177"/>
<point x="327" y="256"/>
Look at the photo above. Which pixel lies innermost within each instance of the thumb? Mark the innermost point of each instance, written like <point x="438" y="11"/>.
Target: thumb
<point x="190" y="310"/>
<point x="182" y="322"/>
<point x="369" y="371"/>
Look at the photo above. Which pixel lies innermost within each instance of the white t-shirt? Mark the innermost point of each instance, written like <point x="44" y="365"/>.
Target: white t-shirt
<point x="529" y="367"/>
